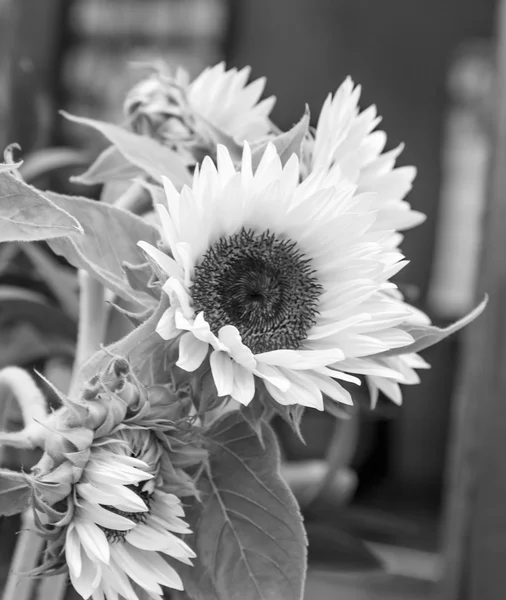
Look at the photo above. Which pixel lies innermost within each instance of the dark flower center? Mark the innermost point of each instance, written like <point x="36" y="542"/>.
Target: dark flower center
<point x="115" y="535"/>
<point x="261" y="284"/>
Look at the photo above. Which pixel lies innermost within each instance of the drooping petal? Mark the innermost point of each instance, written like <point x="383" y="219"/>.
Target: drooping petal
<point x="222" y="370"/>
<point x="191" y="352"/>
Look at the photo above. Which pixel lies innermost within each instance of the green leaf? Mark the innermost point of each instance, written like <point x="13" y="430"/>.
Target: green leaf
<point x="14" y="492"/>
<point x="257" y="412"/>
<point x="110" y="239"/>
<point x="291" y="413"/>
<point x="248" y="532"/>
<point x="23" y="344"/>
<point x="60" y="279"/>
<point x="140" y="277"/>
<point x="143" y="347"/>
<point x="110" y="165"/>
<point x="147" y="154"/>
<point x="26" y="215"/>
<point x="287" y="143"/>
<point x="48" y="160"/>
<point x="426" y="336"/>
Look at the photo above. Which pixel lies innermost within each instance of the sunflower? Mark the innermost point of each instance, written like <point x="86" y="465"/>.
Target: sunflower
<point x="280" y="280"/>
<point x="191" y="116"/>
<point x="345" y="143"/>
<point x="123" y="523"/>
<point x="107" y="489"/>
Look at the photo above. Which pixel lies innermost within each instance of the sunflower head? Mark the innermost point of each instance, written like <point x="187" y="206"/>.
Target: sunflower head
<point x="106" y="493"/>
<point x="192" y="116"/>
<point x="278" y="281"/>
<point x="346" y="145"/>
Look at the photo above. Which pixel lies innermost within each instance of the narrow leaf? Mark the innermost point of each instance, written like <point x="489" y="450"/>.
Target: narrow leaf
<point x="60" y="279"/>
<point x="48" y="160"/>
<point x="248" y="532"/>
<point x="287" y="143"/>
<point x="110" y="165"/>
<point x="110" y="239"/>
<point x="140" y="277"/>
<point x="147" y="154"/>
<point x="14" y="493"/>
<point x="428" y="335"/>
<point x="26" y="215"/>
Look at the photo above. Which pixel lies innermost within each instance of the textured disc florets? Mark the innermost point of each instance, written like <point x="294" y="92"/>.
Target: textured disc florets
<point x="261" y="284"/>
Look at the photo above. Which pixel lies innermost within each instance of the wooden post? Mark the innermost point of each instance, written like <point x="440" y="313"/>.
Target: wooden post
<point x="34" y="34"/>
<point x="475" y="524"/>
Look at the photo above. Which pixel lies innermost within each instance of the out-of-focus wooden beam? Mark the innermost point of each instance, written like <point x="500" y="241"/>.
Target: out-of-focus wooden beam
<point x="32" y="39"/>
<point x="475" y="525"/>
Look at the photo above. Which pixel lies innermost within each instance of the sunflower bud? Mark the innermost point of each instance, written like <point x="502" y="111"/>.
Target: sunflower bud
<point x="112" y="469"/>
<point x="97" y="413"/>
<point x="158" y="107"/>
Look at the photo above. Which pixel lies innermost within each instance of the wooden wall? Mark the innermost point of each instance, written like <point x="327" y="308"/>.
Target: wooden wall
<point x="475" y="524"/>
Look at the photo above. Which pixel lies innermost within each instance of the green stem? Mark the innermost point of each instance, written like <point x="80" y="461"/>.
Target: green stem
<point x="93" y="312"/>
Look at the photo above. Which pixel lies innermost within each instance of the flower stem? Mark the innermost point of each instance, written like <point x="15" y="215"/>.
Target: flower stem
<point x="93" y="312"/>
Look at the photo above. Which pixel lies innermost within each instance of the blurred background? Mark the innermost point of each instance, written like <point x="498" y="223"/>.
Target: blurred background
<point x="429" y="66"/>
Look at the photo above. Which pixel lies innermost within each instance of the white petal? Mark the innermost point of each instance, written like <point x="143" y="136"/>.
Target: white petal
<point x="300" y="359"/>
<point x="83" y="584"/>
<point x="102" y="473"/>
<point x="73" y="550"/>
<point x="231" y="338"/>
<point x="163" y="523"/>
<point x="277" y="395"/>
<point x="331" y="388"/>
<point x="120" y="496"/>
<point x="171" y="237"/>
<point x="191" y="352"/>
<point x="117" y="578"/>
<point x="98" y="594"/>
<point x="166" y="326"/>
<point x="93" y="540"/>
<point x="106" y="518"/>
<point x="244" y="385"/>
<point x="147" y="538"/>
<point x="142" y="575"/>
<point x="164" y="261"/>
<point x="304" y="391"/>
<point x="163" y="572"/>
<point x="373" y="392"/>
<point x="176" y="291"/>
<point x="223" y="372"/>
<point x="391" y="389"/>
<point x="273" y="375"/>
<point x="226" y="169"/>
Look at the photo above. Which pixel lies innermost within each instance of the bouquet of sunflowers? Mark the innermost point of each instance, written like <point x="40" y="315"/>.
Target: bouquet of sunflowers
<point x="254" y="270"/>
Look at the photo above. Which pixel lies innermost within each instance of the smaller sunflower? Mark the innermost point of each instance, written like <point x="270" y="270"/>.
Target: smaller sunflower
<point x="345" y="143"/>
<point x="107" y="489"/>
<point x="190" y="116"/>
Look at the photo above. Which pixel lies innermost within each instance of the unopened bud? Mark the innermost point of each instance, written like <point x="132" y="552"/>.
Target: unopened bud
<point x="128" y="392"/>
<point x="97" y="414"/>
<point x="160" y="395"/>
